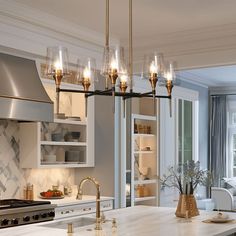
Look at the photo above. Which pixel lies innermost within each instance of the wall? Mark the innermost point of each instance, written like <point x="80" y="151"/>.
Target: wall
<point x="13" y="178"/>
<point x="104" y="170"/>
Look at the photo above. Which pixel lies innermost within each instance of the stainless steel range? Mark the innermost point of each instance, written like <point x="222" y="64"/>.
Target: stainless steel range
<point x="14" y="212"/>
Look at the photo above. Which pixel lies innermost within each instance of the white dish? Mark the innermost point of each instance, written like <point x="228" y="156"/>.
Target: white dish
<point x="50" y="158"/>
<point x="215" y="220"/>
<point x="220" y="218"/>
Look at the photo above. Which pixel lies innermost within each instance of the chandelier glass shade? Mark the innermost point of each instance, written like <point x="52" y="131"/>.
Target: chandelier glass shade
<point x="86" y="73"/>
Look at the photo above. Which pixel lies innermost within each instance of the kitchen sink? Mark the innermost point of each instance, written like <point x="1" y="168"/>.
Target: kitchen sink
<point x="79" y="222"/>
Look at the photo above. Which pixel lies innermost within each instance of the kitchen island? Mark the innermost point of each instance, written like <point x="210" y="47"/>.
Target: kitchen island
<point x="133" y="221"/>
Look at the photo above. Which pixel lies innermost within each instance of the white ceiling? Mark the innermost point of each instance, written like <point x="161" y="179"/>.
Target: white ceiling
<point x="157" y="24"/>
<point x="211" y="76"/>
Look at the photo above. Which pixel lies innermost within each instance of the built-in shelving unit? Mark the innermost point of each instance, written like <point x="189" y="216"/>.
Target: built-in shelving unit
<point x="142" y="173"/>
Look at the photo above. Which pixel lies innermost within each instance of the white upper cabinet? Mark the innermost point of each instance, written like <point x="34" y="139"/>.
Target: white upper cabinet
<point x="65" y="142"/>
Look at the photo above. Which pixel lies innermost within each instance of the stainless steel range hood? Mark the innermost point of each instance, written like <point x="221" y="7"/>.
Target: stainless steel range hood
<point x="22" y="95"/>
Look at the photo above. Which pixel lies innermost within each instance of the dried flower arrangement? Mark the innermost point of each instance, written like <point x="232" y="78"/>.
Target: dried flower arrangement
<point x="186" y="177"/>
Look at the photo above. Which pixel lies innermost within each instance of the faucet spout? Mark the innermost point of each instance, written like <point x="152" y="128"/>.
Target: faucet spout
<point x="79" y="197"/>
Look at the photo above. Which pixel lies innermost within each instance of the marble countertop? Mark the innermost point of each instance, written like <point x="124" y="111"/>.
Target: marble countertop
<point x="135" y="221"/>
<point x="66" y="201"/>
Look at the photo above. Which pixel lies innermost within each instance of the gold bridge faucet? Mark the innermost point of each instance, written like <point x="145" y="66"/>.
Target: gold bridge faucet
<point x="79" y="197"/>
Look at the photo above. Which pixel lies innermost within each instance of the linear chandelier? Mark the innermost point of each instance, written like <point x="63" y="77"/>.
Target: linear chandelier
<point x="113" y="69"/>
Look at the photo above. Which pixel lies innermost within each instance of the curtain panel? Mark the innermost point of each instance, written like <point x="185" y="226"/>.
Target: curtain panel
<point x="218" y="138"/>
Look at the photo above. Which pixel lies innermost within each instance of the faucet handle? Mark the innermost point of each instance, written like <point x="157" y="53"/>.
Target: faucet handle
<point x="103" y="217"/>
<point x="114" y="224"/>
<point x="70" y="228"/>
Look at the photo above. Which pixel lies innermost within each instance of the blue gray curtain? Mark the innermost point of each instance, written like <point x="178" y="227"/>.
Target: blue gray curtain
<point x="218" y="132"/>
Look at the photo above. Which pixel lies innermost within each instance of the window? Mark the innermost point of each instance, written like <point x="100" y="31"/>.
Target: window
<point x="185" y="130"/>
<point x="232" y="143"/>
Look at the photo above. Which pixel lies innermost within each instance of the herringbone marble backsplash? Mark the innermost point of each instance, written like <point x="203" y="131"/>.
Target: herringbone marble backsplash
<point x="13" y="178"/>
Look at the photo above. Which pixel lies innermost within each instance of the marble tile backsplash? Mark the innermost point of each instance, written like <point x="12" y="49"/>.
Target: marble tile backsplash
<point x="13" y="178"/>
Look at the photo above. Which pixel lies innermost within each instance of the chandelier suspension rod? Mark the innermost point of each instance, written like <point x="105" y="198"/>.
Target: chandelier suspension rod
<point x="107" y="23"/>
<point x="131" y="45"/>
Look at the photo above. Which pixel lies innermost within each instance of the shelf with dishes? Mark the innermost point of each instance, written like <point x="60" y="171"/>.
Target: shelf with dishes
<point x="144" y="184"/>
<point x="63" y="143"/>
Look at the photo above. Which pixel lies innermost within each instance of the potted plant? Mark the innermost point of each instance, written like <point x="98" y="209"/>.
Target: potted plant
<point x="186" y="177"/>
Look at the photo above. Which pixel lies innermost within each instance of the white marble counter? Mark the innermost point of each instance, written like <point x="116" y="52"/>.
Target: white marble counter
<point x="136" y="221"/>
<point x="73" y="201"/>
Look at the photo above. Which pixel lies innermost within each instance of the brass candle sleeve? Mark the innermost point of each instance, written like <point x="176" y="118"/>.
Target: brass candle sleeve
<point x="113" y="75"/>
<point x="86" y="84"/>
<point x="153" y="80"/>
<point x="169" y="86"/>
<point x="123" y="87"/>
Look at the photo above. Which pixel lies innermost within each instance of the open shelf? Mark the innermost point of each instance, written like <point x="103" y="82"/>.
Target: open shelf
<point x="143" y="135"/>
<point x="144" y="117"/>
<point x="141" y="199"/>
<point x="70" y="122"/>
<point x="57" y="143"/>
<point x="147" y="181"/>
<point x="143" y="152"/>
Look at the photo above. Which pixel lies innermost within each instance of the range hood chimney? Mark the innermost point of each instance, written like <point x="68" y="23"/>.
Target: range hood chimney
<point x="22" y="95"/>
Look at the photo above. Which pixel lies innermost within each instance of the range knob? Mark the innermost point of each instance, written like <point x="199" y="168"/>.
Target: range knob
<point x="51" y="213"/>
<point x="14" y="221"/>
<point x="44" y="215"/>
<point x="36" y="217"/>
<point x="26" y="218"/>
<point x="4" y="222"/>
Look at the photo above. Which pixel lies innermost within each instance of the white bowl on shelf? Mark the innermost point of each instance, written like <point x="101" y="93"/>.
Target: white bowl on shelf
<point x="50" y="158"/>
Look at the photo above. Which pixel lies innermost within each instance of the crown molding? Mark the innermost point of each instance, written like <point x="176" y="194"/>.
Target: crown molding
<point x="38" y="21"/>
<point x="224" y="90"/>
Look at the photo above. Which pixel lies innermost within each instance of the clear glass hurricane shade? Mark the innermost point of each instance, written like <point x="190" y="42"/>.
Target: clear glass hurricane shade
<point x="57" y="59"/>
<point x="169" y="71"/>
<point x="113" y="58"/>
<point x="86" y="69"/>
<point x="105" y="61"/>
<point x="153" y="64"/>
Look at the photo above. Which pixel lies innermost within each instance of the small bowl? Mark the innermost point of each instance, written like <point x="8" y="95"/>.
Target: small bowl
<point x="50" y="158"/>
<point x="72" y="136"/>
<point x="57" y="137"/>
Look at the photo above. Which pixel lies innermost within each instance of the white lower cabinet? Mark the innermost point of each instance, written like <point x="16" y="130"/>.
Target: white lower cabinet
<point x="78" y="209"/>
